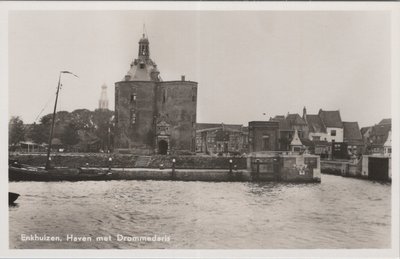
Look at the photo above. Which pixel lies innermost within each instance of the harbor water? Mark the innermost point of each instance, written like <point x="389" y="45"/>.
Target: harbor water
<point x="337" y="213"/>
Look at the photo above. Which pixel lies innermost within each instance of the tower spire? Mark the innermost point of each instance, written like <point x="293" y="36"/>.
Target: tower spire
<point x="144" y="31"/>
<point x="144" y="52"/>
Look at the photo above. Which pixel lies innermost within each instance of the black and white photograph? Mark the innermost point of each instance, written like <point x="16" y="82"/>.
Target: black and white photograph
<point x="200" y="128"/>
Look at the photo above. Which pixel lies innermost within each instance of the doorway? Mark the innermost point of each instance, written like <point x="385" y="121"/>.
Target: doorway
<point x="162" y="147"/>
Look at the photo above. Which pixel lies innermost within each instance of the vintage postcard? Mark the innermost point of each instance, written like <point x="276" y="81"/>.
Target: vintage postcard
<point x="200" y="129"/>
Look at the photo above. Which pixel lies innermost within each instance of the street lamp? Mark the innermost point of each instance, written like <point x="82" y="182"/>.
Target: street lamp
<point x="173" y="167"/>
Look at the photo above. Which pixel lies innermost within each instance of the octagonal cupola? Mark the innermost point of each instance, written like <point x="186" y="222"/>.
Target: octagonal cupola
<point x="143" y="68"/>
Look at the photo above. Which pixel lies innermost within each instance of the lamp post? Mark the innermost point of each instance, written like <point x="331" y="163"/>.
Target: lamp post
<point x="109" y="163"/>
<point x="54" y="117"/>
<point x="173" y="167"/>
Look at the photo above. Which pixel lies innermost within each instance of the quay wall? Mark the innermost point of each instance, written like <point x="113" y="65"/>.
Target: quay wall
<point x="373" y="167"/>
<point x="285" y="167"/>
<point x="182" y="175"/>
<point x="130" y="161"/>
<point x="334" y="167"/>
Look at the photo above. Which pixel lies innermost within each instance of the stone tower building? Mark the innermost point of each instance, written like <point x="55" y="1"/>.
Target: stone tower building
<point x="151" y="115"/>
<point x="103" y="102"/>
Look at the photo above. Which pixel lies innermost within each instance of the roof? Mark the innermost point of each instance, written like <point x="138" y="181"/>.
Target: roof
<point x="315" y="124"/>
<point x="379" y="133"/>
<point x="296" y="140"/>
<point x="351" y="131"/>
<point x="386" y="121"/>
<point x="295" y="119"/>
<point x="331" y="118"/>
<point x="141" y="70"/>
<point x="200" y="126"/>
<point x="388" y="142"/>
<point x="215" y="126"/>
<point x="365" y="130"/>
<point x="381" y="129"/>
<point x="283" y="123"/>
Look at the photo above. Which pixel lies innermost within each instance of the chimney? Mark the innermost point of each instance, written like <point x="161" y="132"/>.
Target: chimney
<point x="183" y="78"/>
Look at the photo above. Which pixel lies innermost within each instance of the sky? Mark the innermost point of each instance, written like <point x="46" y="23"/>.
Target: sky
<point x="249" y="65"/>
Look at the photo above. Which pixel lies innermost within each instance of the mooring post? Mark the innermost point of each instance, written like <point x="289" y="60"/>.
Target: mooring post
<point x="258" y="168"/>
<point x="276" y="167"/>
<point x="173" y="168"/>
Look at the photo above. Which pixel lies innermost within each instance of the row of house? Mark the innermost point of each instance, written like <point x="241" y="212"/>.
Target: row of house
<point x="378" y="138"/>
<point x="323" y="133"/>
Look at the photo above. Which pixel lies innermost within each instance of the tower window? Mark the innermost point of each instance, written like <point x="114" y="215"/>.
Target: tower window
<point x="133" y="116"/>
<point x="141" y="65"/>
<point x="133" y="98"/>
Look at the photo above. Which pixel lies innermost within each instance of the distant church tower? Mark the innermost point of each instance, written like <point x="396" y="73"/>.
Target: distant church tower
<point x="103" y="102"/>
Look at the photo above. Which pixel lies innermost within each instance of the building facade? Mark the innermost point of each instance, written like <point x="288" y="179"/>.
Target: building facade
<point x="375" y="136"/>
<point x="221" y="139"/>
<point x="287" y="127"/>
<point x="263" y="136"/>
<point x="153" y="116"/>
<point x="352" y="136"/>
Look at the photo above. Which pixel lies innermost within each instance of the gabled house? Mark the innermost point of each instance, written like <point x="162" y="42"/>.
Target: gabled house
<point x="387" y="147"/>
<point x="316" y="128"/>
<point x="333" y="124"/>
<point x="352" y="136"/>
<point x="324" y="126"/>
<point x="287" y="127"/>
<point x="378" y="134"/>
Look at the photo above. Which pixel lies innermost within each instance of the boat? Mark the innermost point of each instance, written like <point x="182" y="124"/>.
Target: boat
<point x="20" y="172"/>
<point x="12" y="197"/>
<point x="37" y="174"/>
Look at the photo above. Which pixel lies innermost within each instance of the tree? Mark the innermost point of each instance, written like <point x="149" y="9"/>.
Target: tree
<point x="70" y="135"/>
<point x="16" y="131"/>
<point x="103" y="123"/>
<point x="82" y="119"/>
<point x="39" y="133"/>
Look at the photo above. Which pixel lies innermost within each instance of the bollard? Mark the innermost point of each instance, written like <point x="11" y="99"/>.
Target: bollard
<point x="109" y="163"/>
<point x="173" y="168"/>
<point x="230" y="166"/>
<point x="258" y="169"/>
